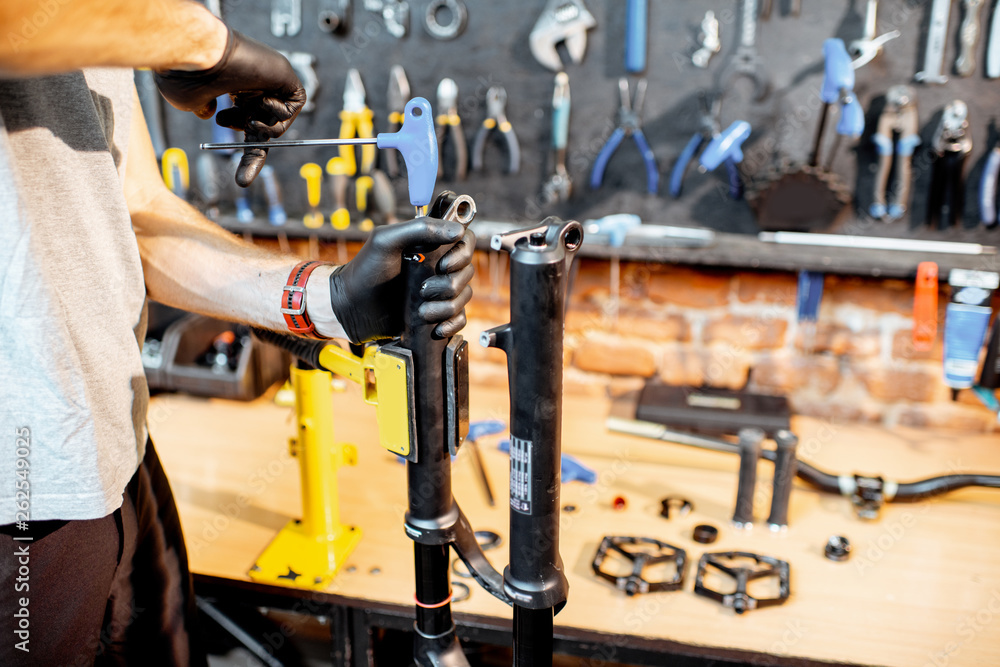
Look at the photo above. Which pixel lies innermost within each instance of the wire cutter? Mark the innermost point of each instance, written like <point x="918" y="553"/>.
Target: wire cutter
<point x="496" y="118"/>
<point x="356" y="121"/>
<point x="951" y="146"/>
<point x="398" y="96"/>
<point x="449" y="127"/>
<point x="710" y="129"/>
<point x="629" y="125"/>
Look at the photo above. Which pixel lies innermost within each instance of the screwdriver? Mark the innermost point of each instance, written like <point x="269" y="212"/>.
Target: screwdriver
<point x="415" y="140"/>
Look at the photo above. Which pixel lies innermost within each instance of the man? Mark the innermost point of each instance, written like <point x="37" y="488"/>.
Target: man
<point x="87" y="230"/>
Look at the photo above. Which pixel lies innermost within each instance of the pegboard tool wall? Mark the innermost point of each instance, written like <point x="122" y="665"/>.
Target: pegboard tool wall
<point x="493" y="50"/>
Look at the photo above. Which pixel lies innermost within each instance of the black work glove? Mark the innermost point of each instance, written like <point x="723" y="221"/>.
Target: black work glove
<point x="368" y="293"/>
<point x="267" y="95"/>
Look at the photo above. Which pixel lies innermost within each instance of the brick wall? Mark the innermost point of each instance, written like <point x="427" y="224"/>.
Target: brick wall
<point x="723" y="328"/>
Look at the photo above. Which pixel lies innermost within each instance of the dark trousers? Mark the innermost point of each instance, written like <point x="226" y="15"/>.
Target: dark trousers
<point x="110" y="591"/>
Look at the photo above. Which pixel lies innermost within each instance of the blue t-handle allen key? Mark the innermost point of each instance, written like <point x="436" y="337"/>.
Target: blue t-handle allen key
<point x="416" y="141"/>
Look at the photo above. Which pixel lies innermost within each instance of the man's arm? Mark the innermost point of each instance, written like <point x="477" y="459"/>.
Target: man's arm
<point x="190" y="262"/>
<point x="52" y="36"/>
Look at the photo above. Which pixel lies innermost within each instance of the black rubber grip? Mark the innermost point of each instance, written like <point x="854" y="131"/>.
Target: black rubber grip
<point x="750" y="439"/>
<point x="785" y="469"/>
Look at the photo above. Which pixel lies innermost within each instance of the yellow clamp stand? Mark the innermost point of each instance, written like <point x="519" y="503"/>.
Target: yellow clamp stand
<point x="307" y="553"/>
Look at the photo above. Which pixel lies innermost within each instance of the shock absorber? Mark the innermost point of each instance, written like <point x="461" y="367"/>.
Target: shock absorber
<point x="535" y="580"/>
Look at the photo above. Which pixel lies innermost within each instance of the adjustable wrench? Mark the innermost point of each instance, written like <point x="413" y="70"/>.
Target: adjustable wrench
<point x="709" y="38"/>
<point x="865" y="49"/>
<point x="746" y="61"/>
<point x="304" y="65"/>
<point x="564" y="21"/>
<point x="937" y="36"/>
<point x="965" y="64"/>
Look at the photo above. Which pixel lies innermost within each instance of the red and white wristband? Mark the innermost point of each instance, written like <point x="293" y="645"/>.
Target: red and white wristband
<point x="293" y="300"/>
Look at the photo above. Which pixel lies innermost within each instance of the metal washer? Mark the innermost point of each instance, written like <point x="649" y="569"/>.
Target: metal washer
<point x="459" y="17"/>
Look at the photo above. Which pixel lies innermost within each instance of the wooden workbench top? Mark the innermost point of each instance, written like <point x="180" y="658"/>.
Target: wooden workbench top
<point x="921" y="588"/>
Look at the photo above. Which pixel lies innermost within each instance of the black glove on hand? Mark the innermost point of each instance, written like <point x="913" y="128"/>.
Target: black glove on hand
<point x="368" y="293"/>
<point x="267" y="95"/>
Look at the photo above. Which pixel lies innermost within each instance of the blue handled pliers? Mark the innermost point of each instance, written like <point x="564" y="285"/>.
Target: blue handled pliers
<point x="629" y="125"/>
<point x="710" y="128"/>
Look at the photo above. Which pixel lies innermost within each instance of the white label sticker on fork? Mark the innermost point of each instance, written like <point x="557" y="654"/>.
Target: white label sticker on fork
<point x="520" y="475"/>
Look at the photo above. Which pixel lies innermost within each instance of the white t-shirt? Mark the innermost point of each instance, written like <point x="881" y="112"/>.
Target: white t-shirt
<point x="72" y="297"/>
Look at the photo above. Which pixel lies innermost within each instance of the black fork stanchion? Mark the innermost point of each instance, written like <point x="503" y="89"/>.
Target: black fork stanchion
<point x="433" y="512"/>
<point x="535" y="580"/>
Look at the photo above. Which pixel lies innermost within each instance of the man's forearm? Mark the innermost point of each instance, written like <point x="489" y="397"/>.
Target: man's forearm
<point x="191" y="263"/>
<point x="51" y="36"/>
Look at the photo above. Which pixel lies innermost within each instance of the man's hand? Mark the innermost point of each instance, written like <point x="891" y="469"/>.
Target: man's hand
<point x="266" y="93"/>
<point x="368" y="294"/>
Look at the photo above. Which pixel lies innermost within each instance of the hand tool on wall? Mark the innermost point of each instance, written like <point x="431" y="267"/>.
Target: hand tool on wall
<point x="356" y="120"/>
<point x="286" y="17"/>
<point x="304" y="65"/>
<point x="152" y="109"/>
<point x="562" y="21"/>
<point x="535" y="579"/>
<point x="749" y="446"/>
<point x="457" y="15"/>
<point x="176" y="174"/>
<point x="559" y="185"/>
<point x="727" y="150"/>
<point x="272" y="194"/>
<point x="415" y="140"/>
<point x="965" y="63"/>
<point x="207" y="180"/>
<point x="925" y="307"/>
<point x="708" y="41"/>
<point x="898" y="117"/>
<point x="785" y="465"/>
<point x="340" y="219"/>
<point x="993" y="48"/>
<point x="837" y="88"/>
<point x="629" y="124"/>
<point x="951" y="145"/>
<point x="616" y="227"/>
<point x="395" y="14"/>
<point x="363" y="186"/>
<point x="335" y="16"/>
<point x="809" y="197"/>
<point x="865" y="50"/>
<point x="214" y="6"/>
<point x="450" y="132"/>
<point x="636" y="14"/>
<point x="398" y="93"/>
<point x="937" y="38"/>
<point x="988" y="187"/>
<point x="313" y="175"/>
<point x="745" y="61"/>
<point x="384" y="197"/>
<point x="496" y="118"/>
<point x="794" y="8"/>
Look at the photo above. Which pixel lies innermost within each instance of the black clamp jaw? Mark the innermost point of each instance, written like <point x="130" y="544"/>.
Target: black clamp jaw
<point x="641" y="552"/>
<point x="868" y="496"/>
<point x="740" y="600"/>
